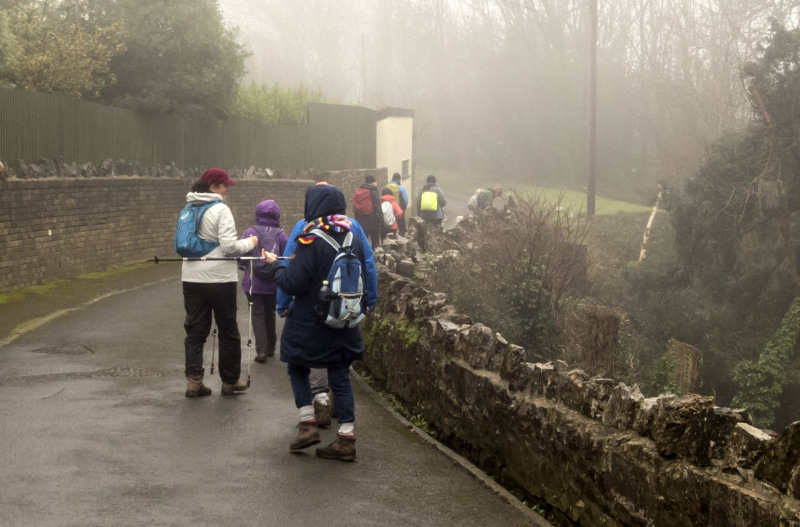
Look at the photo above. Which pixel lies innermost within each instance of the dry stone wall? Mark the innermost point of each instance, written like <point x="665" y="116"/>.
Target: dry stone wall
<point x="594" y="450"/>
<point x="56" y="226"/>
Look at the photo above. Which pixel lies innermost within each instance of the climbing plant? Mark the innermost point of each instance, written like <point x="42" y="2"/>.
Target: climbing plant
<point x="761" y="382"/>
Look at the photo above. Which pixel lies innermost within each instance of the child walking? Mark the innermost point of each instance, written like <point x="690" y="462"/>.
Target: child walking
<point x="258" y="284"/>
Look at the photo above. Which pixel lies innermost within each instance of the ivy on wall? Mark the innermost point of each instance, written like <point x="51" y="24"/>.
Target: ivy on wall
<point x="761" y="382"/>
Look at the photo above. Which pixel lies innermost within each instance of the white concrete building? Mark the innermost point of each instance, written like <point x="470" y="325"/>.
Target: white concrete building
<point x="394" y="138"/>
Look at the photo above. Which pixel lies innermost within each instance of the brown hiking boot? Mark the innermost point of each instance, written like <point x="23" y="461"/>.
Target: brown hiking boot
<point x="343" y="449"/>
<point x="261" y="357"/>
<point x="195" y="386"/>
<point x="322" y="413"/>
<point x="231" y="389"/>
<point x="307" y="436"/>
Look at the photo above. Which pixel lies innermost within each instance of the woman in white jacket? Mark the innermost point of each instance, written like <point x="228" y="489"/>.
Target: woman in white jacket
<point x="209" y="287"/>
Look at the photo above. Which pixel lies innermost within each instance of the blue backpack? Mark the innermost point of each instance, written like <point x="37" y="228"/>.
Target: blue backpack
<point x="187" y="243"/>
<point x="345" y="286"/>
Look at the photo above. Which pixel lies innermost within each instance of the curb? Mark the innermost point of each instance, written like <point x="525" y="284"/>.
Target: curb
<point x="481" y="476"/>
<point x="36" y="323"/>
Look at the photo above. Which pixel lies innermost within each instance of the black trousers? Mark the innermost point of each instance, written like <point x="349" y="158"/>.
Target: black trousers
<point x="401" y="224"/>
<point x="201" y="300"/>
<point x="263" y="320"/>
<point x="374" y="236"/>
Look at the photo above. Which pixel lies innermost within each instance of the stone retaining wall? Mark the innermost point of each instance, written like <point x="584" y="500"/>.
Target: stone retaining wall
<point x="596" y="451"/>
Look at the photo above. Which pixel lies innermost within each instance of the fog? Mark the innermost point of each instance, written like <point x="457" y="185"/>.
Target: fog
<point x="501" y="87"/>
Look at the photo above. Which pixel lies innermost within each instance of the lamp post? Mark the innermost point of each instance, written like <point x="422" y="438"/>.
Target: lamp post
<point x="590" y="190"/>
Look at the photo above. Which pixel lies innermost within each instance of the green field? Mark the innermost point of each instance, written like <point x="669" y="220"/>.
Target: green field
<point x="576" y="201"/>
<point x="460" y="185"/>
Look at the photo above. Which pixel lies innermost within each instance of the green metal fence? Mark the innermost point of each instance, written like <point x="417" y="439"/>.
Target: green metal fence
<point x="35" y="126"/>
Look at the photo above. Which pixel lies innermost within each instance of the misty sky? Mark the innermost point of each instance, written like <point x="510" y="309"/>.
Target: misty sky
<point x="499" y="83"/>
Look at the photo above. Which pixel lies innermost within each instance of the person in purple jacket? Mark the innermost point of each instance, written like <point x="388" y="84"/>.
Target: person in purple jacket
<point x="258" y="285"/>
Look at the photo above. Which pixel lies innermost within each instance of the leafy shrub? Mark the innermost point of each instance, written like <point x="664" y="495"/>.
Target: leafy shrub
<point x="761" y="382"/>
<point x="273" y="104"/>
<point x="516" y="271"/>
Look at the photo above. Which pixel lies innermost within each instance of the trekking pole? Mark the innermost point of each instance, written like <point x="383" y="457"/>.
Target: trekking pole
<point x="212" y="259"/>
<point x="250" y="335"/>
<point x="213" y="348"/>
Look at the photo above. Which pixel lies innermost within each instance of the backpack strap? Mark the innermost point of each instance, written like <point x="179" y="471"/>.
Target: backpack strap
<point x="204" y="207"/>
<point x="262" y="230"/>
<point x="348" y="240"/>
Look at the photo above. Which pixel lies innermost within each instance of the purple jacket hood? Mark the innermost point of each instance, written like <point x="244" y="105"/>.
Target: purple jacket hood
<point x="268" y="213"/>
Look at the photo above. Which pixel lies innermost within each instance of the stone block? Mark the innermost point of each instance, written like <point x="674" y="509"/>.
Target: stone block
<point x="707" y="435"/>
<point x="544" y="380"/>
<point x="597" y="391"/>
<point x="405" y="267"/>
<point x="476" y="346"/>
<point x="778" y="464"/>
<point x="622" y="406"/>
<point x="646" y="415"/>
<point x="522" y="378"/>
<point x="512" y="360"/>
<point x="744" y="446"/>
<point x="390" y="263"/>
<point x="571" y="389"/>
<point x="672" y="420"/>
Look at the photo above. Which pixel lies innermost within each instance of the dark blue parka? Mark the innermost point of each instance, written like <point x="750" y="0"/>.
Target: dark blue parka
<point x="305" y="340"/>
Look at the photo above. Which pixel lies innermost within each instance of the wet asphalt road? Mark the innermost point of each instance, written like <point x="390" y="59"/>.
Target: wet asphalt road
<point x="95" y="430"/>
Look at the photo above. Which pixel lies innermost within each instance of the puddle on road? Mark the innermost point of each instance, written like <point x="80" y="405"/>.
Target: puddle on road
<point x="64" y="350"/>
<point x="116" y="371"/>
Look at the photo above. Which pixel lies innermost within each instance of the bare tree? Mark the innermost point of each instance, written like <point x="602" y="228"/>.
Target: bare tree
<point x="501" y="85"/>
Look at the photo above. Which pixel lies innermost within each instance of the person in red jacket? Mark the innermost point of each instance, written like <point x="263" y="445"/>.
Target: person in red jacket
<point x="388" y="202"/>
<point x="367" y="209"/>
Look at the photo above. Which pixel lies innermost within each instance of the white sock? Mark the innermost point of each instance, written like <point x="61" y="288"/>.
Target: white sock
<point x="307" y="413"/>
<point x="322" y="397"/>
<point x="347" y="429"/>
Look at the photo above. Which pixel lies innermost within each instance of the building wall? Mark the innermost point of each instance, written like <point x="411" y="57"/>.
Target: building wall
<point x="395" y="147"/>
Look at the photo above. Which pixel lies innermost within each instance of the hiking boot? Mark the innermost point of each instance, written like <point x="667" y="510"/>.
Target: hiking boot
<point x="231" y="389"/>
<point x="322" y="413"/>
<point x="261" y="357"/>
<point x="195" y="386"/>
<point x="307" y="436"/>
<point x="343" y="449"/>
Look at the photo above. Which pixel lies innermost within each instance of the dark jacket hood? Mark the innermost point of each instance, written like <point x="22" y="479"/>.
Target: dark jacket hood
<point x="324" y="200"/>
<point x="268" y="213"/>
